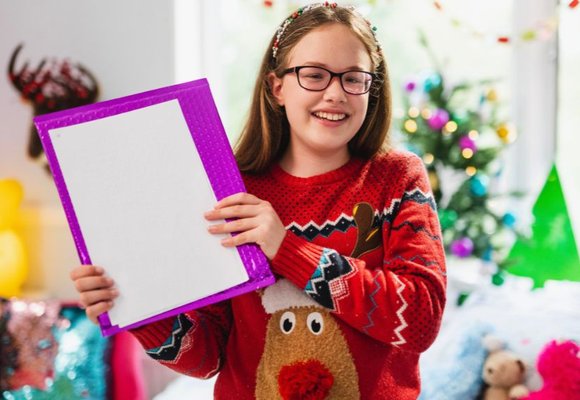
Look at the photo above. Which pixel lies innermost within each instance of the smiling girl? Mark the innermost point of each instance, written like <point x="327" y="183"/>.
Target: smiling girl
<point x="349" y="225"/>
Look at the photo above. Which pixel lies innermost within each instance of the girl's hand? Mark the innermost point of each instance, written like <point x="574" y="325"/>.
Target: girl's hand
<point x="95" y="288"/>
<point x="255" y="221"/>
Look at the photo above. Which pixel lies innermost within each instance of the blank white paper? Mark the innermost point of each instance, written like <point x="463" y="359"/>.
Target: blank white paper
<point x="139" y="191"/>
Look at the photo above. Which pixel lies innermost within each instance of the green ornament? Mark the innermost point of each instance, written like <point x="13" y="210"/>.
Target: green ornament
<point x="461" y="298"/>
<point x="460" y="117"/>
<point x="497" y="279"/>
<point x="551" y="252"/>
<point x="447" y="218"/>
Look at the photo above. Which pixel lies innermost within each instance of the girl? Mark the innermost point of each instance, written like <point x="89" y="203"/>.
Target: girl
<point x="349" y="226"/>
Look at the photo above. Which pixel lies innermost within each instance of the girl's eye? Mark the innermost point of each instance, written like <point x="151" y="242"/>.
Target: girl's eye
<point x="287" y="322"/>
<point x="353" y="79"/>
<point x="313" y="77"/>
<point x="315" y="323"/>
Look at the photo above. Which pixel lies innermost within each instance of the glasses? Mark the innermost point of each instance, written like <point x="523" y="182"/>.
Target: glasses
<point x="317" y="79"/>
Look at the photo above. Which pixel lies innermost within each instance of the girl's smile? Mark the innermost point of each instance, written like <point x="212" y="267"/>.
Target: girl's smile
<point x="330" y="118"/>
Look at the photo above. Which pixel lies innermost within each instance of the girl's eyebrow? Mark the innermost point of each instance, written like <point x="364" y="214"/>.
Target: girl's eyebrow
<point x="319" y="64"/>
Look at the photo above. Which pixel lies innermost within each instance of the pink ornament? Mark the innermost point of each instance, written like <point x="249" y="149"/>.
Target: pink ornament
<point x="462" y="247"/>
<point x="410" y="86"/>
<point x="465" y="142"/>
<point x="438" y="119"/>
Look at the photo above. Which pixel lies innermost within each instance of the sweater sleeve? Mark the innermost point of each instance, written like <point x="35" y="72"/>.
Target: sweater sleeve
<point x="191" y="343"/>
<point x="400" y="303"/>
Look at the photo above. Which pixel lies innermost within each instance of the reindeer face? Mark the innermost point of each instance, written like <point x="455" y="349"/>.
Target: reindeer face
<point x="305" y="356"/>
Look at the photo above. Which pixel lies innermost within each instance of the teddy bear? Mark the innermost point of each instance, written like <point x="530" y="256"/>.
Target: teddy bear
<point x="503" y="373"/>
<point x="559" y="365"/>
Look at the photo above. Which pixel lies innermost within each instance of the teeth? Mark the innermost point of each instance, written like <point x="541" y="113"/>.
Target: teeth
<point x="329" y="116"/>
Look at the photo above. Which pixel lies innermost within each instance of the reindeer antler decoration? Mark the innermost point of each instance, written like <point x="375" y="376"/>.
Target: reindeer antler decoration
<point x="51" y="86"/>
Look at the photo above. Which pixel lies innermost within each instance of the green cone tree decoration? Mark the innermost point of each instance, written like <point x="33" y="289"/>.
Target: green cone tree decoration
<point x="551" y="251"/>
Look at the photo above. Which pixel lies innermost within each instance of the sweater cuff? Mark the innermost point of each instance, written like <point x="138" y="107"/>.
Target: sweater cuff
<point x="153" y="335"/>
<point x="296" y="259"/>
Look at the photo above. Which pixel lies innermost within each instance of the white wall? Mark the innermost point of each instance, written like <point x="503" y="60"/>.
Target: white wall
<point x="128" y="45"/>
<point x="569" y="114"/>
<point x="534" y="104"/>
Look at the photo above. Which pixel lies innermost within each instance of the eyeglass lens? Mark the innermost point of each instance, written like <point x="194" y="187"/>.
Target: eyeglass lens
<point x="314" y="78"/>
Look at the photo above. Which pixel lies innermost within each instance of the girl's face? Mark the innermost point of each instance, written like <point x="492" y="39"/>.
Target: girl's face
<point x="322" y="123"/>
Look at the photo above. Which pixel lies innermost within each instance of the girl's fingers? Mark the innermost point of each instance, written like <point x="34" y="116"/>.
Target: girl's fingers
<point x="93" y="283"/>
<point x="232" y="211"/>
<point x="239" y="225"/>
<point x="82" y="271"/>
<point x="93" y="297"/>
<point x="238" y="198"/>
<point x="94" y="311"/>
<point x="242" y="238"/>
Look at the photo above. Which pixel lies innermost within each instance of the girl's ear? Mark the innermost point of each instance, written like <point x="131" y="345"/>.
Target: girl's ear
<point x="276" y="88"/>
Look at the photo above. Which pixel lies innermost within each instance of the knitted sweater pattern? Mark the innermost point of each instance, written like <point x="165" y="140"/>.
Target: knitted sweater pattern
<point x="360" y="292"/>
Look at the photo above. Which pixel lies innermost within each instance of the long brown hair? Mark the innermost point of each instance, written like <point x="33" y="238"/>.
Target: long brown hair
<point x="266" y="133"/>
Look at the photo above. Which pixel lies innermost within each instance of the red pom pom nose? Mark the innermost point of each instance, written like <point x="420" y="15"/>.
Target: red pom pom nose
<point x="305" y="380"/>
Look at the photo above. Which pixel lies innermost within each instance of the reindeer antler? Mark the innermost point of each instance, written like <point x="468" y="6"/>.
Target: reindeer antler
<point x="53" y="86"/>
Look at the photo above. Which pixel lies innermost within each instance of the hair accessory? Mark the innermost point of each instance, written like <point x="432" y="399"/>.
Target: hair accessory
<point x="374" y="32"/>
<point x="302" y="10"/>
<point x="292" y="17"/>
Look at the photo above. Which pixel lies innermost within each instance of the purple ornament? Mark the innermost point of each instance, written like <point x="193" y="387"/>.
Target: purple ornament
<point x="410" y="86"/>
<point x="462" y="247"/>
<point x="438" y="119"/>
<point x="465" y="142"/>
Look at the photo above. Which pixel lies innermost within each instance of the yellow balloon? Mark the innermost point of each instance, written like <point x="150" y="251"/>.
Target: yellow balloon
<point x="11" y="195"/>
<point x="13" y="264"/>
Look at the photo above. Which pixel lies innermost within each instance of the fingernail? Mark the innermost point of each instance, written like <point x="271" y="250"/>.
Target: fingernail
<point x="226" y="242"/>
<point x="211" y="228"/>
<point x="99" y="270"/>
<point x="109" y="280"/>
<point x="115" y="292"/>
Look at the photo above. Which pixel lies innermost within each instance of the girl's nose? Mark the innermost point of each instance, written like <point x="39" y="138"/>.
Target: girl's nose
<point x="334" y="92"/>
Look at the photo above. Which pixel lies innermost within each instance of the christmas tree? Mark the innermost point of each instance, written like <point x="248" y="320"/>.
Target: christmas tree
<point x="460" y="134"/>
<point x="550" y="252"/>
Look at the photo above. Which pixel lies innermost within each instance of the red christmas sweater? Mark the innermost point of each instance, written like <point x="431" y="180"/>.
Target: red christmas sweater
<point x="360" y="294"/>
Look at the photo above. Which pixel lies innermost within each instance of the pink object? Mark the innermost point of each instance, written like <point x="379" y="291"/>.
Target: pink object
<point x="465" y="142"/>
<point x="438" y="120"/>
<point x="410" y="86"/>
<point x="462" y="247"/>
<point x="30" y="328"/>
<point x="128" y="382"/>
<point x="212" y="145"/>
<point x="559" y="365"/>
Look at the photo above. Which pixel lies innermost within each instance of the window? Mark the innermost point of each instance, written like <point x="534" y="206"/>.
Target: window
<point x="463" y="40"/>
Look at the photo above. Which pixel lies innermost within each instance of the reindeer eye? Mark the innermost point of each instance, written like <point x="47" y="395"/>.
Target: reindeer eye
<point x="315" y="323"/>
<point x="287" y="322"/>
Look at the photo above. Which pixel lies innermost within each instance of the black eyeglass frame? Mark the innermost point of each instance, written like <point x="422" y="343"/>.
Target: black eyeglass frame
<point x="297" y="69"/>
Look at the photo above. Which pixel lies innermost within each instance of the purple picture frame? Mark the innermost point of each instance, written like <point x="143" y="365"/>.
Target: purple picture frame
<point x="211" y="142"/>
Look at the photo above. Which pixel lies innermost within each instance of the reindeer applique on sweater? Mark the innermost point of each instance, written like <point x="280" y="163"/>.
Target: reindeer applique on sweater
<point x="306" y="355"/>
